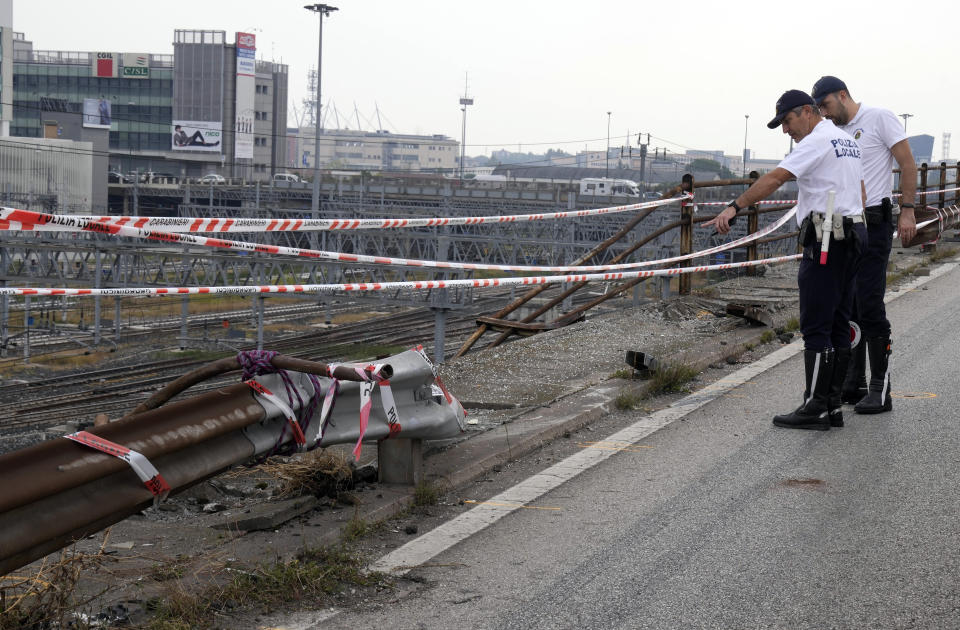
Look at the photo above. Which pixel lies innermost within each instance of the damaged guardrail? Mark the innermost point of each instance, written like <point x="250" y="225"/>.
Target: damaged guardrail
<point x="60" y="490"/>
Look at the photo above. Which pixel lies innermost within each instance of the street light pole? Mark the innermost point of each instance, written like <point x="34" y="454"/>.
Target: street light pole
<point x="746" y="118"/>
<point x="322" y="10"/>
<point x="607" y="174"/>
<point x="905" y="117"/>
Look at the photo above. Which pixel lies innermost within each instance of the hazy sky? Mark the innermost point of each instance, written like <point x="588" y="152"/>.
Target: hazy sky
<point x="545" y="73"/>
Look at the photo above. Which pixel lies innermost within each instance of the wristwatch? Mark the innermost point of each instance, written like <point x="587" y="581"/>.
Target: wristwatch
<point x="907" y="205"/>
<point x="733" y="204"/>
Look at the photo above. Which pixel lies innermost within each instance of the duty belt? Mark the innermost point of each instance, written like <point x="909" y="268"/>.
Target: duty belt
<point x="817" y="219"/>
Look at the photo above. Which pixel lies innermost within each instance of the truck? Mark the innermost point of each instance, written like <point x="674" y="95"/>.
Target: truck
<point x="608" y="187"/>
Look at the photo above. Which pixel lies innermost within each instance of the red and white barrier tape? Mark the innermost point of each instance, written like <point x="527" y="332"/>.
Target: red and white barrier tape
<point x="298" y="437"/>
<point x="12" y="219"/>
<point x="391" y="286"/>
<point x="370" y="375"/>
<point x="371" y="378"/>
<point x="923" y="193"/>
<point x="765" y="202"/>
<point x="366" y="391"/>
<point x="149" y="475"/>
<point x="171" y="237"/>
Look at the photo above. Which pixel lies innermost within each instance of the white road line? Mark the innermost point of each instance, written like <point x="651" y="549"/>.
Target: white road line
<point x="422" y="549"/>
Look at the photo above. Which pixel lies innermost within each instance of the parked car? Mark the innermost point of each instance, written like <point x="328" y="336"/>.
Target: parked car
<point x="286" y="177"/>
<point x="212" y="178"/>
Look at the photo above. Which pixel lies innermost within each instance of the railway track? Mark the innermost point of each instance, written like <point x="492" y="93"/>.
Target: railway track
<point x="45" y="342"/>
<point x="79" y="397"/>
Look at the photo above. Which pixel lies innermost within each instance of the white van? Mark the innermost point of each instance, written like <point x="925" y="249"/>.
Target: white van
<point x="604" y="186"/>
<point x="286" y="177"/>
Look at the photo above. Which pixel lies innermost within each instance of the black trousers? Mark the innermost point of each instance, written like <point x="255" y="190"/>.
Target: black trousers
<point x="826" y="291"/>
<point x="871" y="281"/>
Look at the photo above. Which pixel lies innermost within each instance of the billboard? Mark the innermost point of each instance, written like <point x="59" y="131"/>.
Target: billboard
<point x="194" y="135"/>
<point x="103" y="65"/>
<point x="246" y="87"/>
<point x="136" y="66"/>
<point x="97" y="113"/>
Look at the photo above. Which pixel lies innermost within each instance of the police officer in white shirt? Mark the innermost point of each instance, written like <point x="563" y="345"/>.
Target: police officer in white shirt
<point x="824" y="160"/>
<point x="883" y="140"/>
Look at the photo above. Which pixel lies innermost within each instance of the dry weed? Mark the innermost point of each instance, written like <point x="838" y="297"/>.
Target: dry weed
<point x="318" y="473"/>
<point x="49" y="597"/>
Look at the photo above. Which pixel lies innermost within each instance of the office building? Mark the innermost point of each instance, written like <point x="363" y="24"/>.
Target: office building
<point x="208" y="107"/>
<point x="377" y="151"/>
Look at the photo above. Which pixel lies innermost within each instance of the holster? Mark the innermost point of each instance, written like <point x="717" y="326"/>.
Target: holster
<point x="811" y="229"/>
<point x="876" y="215"/>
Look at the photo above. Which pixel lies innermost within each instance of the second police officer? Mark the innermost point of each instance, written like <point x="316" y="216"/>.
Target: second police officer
<point x="883" y="141"/>
<point x="825" y="159"/>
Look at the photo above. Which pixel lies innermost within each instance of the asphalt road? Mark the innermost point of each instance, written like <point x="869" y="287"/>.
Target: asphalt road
<point x="720" y="520"/>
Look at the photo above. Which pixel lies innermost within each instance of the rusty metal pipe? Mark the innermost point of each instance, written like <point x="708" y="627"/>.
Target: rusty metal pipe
<point x="232" y="364"/>
<point x="931" y="223"/>
<point x="529" y="295"/>
<point x="943" y="185"/>
<point x="33" y="530"/>
<point x="58" y="491"/>
<point x="54" y="466"/>
<point x="579" y="285"/>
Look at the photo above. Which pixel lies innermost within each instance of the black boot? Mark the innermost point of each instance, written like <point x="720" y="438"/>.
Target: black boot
<point x="855" y="383"/>
<point x="878" y="397"/>
<point x="812" y="414"/>
<point x="842" y="357"/>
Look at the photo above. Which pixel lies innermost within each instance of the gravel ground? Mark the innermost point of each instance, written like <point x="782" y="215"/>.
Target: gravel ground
<point x="535" y="370"/>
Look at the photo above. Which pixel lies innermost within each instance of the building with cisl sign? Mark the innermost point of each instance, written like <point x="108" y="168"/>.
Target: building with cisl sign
<point x="210" y="107"/>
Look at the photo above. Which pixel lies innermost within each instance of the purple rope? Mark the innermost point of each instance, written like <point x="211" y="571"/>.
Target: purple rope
<point x="257" y="362"/>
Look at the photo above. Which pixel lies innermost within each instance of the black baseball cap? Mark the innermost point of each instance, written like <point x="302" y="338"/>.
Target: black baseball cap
<point x="826" y="85"/>
<point x="787" y="101"/>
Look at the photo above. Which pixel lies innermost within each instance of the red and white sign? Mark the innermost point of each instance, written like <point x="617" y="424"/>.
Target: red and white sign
<point x="104" y="65"/>
<point x="246" y="40"/>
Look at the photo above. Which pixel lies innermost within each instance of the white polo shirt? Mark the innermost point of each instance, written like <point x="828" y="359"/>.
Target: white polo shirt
<point x="827" y="159"/>
<point x="876" y="130"/>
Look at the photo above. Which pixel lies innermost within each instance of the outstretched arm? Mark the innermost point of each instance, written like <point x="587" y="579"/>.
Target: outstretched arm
<point x="761" y="189"/>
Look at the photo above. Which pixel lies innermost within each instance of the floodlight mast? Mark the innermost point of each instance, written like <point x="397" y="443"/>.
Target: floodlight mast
<point x="322" y="10"/>
<point x="466" y="100"/>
